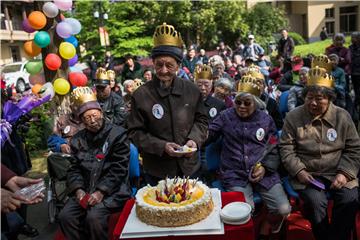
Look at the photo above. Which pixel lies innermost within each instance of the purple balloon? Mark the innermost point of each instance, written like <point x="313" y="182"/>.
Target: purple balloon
<point x="73" y="60"/>
<point x="63" y="29"/>
<point x="26" y="26"/>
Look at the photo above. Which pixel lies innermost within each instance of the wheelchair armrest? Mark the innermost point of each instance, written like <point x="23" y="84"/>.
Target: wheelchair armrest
<point x="288" y="188"/>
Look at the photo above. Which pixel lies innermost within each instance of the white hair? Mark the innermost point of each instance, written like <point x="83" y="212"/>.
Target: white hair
<point x="127" y="82"/>
<point x="224" y="82"/>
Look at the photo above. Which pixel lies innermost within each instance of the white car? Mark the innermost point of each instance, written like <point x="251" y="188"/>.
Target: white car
<point x="16" y="74"/>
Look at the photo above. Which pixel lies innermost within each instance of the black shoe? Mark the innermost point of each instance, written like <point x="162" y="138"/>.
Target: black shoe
<point x="28" y="231"/>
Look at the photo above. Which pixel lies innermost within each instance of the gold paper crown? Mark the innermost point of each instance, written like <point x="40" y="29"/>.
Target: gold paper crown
<point x="322" y="61"/>
<point x="319" y="77"/>
<point x="167" y="35"/>
<point x="205" y="73"/>
<point x="101" y="74"/>
<point x="81" y="95"/>
<point x="254" y="71"/>
<point x="137" y="83"/>
<point x="110" y="74"/>
<point x="249" y="84"/>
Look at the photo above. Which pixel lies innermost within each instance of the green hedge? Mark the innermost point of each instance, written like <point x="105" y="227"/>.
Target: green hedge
<point x="298" y="39"/>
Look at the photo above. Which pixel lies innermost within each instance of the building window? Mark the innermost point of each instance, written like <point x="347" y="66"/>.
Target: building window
<point x="329" y="13"/>
<point x="348" y="19"/>
<point x="15" y="53"/>
<point x="2" y="19"/>
<point x="330" y="27"/>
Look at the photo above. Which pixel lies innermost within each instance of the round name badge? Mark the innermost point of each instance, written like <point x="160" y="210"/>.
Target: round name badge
<point x="331" y="134"/>
<point x="212" y="112"/>
<point x="158" y="111"/>
<point x="67" y="129"/>
<point x="260" y="134"/>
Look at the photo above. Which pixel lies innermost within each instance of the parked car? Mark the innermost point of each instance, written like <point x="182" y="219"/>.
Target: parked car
<point x="16" y="74"/>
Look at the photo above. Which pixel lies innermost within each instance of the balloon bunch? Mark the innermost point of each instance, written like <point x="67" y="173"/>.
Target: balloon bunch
<point x="65" y="28"/>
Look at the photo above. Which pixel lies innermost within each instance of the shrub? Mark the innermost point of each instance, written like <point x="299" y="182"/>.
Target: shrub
<point x="298" y="39"/>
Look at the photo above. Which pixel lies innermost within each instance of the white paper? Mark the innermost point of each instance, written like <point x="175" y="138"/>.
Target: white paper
<point x="134" y="228"/>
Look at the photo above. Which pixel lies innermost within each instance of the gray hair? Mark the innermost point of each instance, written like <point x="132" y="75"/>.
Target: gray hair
<point x="224" y="82"/>
<point x="334" y="56"/>
<point x="304" y="69"/>
<point x="129" y="81"/>
<point x="339" y="35"/>
<point x="260" y="104"/>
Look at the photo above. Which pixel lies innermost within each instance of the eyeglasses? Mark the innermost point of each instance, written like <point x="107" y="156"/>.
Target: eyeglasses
<point x="246" y="103"/>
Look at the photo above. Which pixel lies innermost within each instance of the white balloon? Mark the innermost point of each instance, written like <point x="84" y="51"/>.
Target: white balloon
<point x="49" y="90"/>
<point x="75" y="25"/>
<point x="50" y="10"/>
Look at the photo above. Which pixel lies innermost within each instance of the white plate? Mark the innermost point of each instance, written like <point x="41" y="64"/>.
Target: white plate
<point x="212" y="225"/>
<point x="236" y="211"/>
<point x="236" y="222"/>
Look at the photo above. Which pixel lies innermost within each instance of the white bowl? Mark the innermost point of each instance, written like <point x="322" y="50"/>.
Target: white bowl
<point x="236" y="222"/>
<point x="236" y="211"/>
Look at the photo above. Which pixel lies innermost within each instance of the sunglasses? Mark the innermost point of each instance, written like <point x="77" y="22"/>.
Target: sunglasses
<point x="239" y="103"/>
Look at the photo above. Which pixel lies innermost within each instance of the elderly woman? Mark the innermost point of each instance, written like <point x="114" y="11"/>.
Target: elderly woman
<point x="249" y="156"/>
<point x="222" y="91"/>
<point x="320" y="149"/>
<point x="295" y="98"/>
<point x="338" y="48"/>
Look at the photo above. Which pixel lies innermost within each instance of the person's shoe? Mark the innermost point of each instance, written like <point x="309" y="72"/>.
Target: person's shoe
<point x="29" y="231"/>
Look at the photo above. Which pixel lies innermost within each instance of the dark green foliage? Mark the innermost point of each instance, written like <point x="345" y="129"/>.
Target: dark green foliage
<point x="298" y="39"/>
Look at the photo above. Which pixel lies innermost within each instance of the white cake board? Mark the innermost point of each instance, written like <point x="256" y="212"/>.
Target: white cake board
<point x="212" y="225"/>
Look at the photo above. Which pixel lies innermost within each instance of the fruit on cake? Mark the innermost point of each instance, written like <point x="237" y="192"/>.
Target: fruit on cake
<point x="174" y="202"/>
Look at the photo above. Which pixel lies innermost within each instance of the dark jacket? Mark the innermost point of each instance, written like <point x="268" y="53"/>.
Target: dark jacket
<point x="344" y="56"/>
<point x="110" y="175"/>
<point x="190" y="64"/>
<point x="286" y="47"/>
<point x="355" y="59"/>
<point x="128" y="74"/>
<point x="114" y="109"/>
<point x="6" y="175"/>
<point x="213" y="107"/>
<point x="158" y="116"/>
<point x="273" y="110"/>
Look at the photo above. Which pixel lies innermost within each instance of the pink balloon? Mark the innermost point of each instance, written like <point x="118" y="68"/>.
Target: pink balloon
<point x="63" y="4"/>
<point x="26" y="26"/>
<point x="63" y="29"/>
<point x="37" y="79"/>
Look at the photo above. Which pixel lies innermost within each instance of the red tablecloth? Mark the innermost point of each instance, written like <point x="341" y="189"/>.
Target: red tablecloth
<point x="243" y="232"/>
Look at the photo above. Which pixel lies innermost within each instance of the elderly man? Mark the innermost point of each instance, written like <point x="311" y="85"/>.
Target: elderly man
<point x="252" y="50"/>
<point x="112" y="104"/>
<point x="167" y="113"/>
<point x="98" y="176"/>
<point x="320" y="149"/>
<point x="286" y="45"/>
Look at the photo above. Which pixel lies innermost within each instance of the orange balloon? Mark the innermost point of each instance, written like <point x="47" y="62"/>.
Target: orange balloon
<point x="36" y="88"/>
<point x="37" y="20"/>
<point x="31" y="49"/>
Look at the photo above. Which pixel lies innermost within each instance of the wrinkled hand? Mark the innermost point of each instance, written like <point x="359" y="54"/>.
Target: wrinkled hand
<point x="304" y="177"/>
<point x="191" y="144"/>
<point x="80" y="194"/>
<point x="170" y="149"/>
<point x="339" y="181"/>
<point x="16" y="183"/>
<point x="65" y="148"/>
<point x="257" y="174"/>
<point x="9" y="201"/>
<point x="95" y="198"/>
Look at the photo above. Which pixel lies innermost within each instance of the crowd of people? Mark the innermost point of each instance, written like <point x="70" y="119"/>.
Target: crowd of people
<point x="231" y="99"/>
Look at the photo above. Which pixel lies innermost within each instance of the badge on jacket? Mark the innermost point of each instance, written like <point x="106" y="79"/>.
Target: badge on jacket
<point x="158" y="111"/>
<point x="260" y="134"/>
<point x="331" y="134"/>
<point x="67" y="129"/>
<point x="212" y="112"/>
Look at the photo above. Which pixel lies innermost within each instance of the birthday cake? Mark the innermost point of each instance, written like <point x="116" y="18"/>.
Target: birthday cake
<point x="174" y="202"/>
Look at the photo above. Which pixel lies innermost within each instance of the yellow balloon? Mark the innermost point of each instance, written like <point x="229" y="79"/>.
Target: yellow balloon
<point x="61" y="86"/>
<point x="67" y="50"/>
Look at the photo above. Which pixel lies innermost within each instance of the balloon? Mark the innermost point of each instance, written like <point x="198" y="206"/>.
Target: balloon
<point x="61" y="86"/>
<point x="75" y="69"/>
<point x="78" y="79"/>
<point x="26" y="26"/>
<point x="72" y="40"/>
<point x="73" y="60"/>
<point x="37" y="20"/>
<point x="67" y="50"/>
<point x="63" y="4"/>
<point x="52" y="61"/>
<point x="47" y="89"/>
<point x="63" y="29"/>
<point x="42" y="39"/>
<point x="75" y="25"/>
<point x="50" y="10"/>
<point x="33" y="66"/>
<point x="36" y="88"/>
<point x="31" y="49"/>
<point x="37" y="79"/>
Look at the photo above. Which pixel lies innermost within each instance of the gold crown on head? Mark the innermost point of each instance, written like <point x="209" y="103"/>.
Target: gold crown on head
<point x="81" y="95"/>
<point x="322" y="61"/>
<point x="101" y="74"/>
<point x="249" y="84"/>
<point x="254" y="71"/>
<point x="204" y="73"/>
<point x="167" y="35"/>
<point x="110" y="74"/>
<point x="319" y="77"/>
